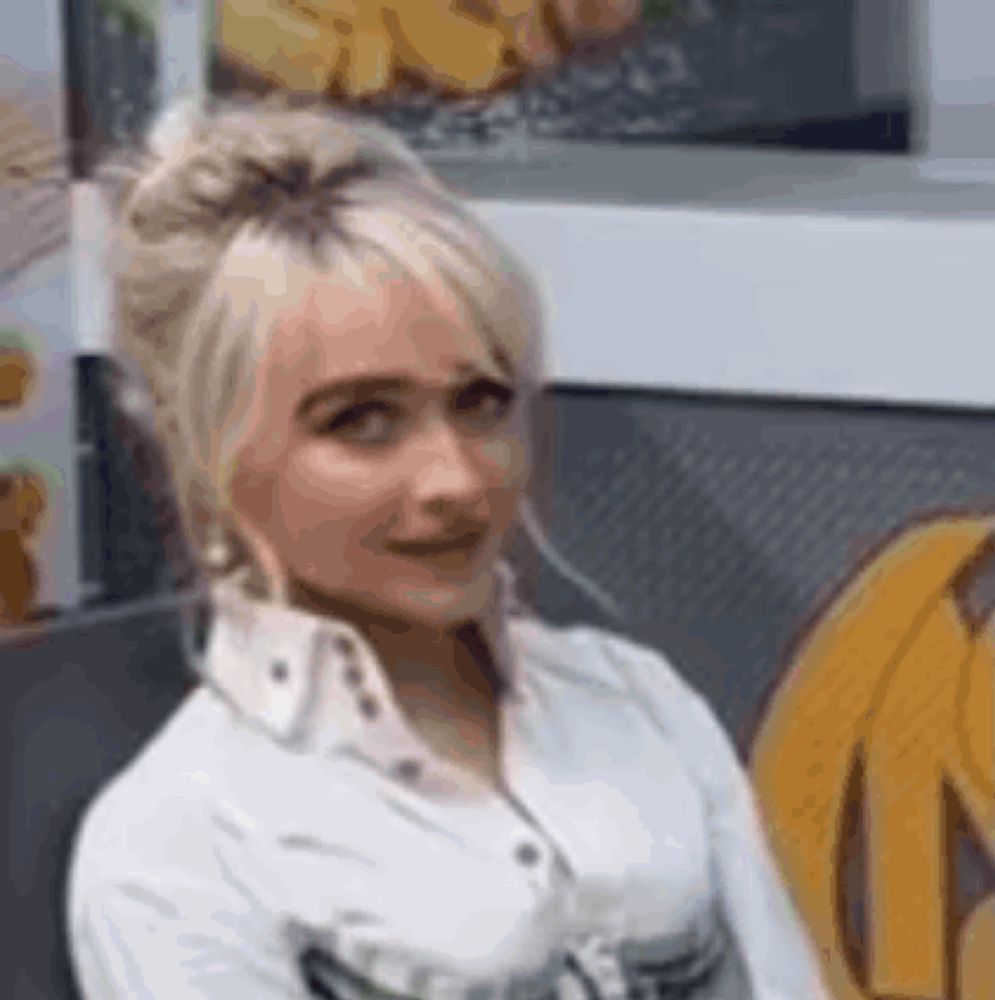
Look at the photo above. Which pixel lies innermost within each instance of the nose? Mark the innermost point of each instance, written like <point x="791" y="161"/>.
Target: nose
<point x="445" y="473"/>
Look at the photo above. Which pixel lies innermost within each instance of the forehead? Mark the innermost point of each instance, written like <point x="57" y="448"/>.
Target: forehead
<point x="376" y="320"/>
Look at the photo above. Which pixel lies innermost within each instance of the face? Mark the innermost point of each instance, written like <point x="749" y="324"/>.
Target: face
<point x="385" y="454"/>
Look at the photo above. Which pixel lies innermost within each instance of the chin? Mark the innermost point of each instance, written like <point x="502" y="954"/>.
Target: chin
<point x="424" y="599"/>
<point x="442" y="605"/>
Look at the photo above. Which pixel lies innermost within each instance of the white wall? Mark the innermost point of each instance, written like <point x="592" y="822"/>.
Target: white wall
<point x="956" y="58"/>
<point x="868" y="308"/>
<point x="962" y="45"/>
<point x="183" y="25"/>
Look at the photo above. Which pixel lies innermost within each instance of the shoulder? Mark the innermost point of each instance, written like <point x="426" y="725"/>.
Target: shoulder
<point x="161" y="883"/>
<point x="589" y="655"/>
<point x="671" y="703"/>
<point x="157" y="815"/>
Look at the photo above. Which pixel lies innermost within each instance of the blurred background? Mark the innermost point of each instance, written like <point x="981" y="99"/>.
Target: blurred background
<point x="764" y="230"/>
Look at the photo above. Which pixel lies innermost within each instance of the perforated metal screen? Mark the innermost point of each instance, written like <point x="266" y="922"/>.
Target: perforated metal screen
<point x="718" y="526"/>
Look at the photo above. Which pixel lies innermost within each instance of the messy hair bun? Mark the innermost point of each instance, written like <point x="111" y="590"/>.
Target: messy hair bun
<point x="179" y="201"/>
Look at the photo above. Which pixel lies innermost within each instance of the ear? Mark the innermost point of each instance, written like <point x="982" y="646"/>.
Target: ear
<point x="257" y="537"/>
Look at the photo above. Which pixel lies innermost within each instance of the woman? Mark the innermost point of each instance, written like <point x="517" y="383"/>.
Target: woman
<point x="389" y="782"/>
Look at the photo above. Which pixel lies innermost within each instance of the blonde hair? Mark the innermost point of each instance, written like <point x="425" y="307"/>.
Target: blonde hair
<point x="194" y="299"/>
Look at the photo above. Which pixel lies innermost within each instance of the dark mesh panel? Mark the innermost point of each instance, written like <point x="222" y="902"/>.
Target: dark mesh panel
<point x="718" y="525"/>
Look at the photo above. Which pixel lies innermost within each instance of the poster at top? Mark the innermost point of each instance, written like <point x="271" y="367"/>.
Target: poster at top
<point x="483" y="75"/>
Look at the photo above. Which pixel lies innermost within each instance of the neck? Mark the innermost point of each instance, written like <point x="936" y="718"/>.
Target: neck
<point x="452" y="660"/>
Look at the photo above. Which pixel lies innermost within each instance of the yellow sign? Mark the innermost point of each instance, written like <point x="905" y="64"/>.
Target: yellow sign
<point x="23" y="508"/>
<point x="16" y="375"/>
<point x="360" y="48"/>
<point x="889" y="707"/>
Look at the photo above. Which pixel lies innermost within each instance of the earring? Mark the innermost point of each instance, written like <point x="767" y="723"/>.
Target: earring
<point x="217" y="553"/>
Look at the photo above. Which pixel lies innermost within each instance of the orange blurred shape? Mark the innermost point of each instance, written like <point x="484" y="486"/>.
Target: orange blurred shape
<point x="30" y="504"/>
<point x="279" y="41"/>
<point x="22" y="504"/>
<point x="360" y="48"/>
<point x="889" y="707"/>
<point x="453" y="51"/>
<point x="18" y="580"/>
<point x="16" y="376"/>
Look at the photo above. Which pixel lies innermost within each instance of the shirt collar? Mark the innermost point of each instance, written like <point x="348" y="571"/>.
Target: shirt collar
<point x="315" y="682"/>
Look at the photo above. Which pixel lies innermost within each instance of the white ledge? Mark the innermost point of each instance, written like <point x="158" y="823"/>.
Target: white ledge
<point x="759" y="179"/>
<point x="781" y="274"/>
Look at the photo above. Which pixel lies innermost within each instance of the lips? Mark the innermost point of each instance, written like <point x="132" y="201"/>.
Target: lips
<point x="465" y="544"/>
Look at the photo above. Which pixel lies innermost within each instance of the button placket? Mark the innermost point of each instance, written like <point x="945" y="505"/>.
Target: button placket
<point x="551" y="865"/>
<point x="529" y="847"/>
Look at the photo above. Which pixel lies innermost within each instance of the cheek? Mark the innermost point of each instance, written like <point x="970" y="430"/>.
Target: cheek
<point x="334" y="496"/>
<point x="505" y="464"/>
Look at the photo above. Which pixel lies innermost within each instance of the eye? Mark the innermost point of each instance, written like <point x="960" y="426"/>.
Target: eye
<point x="484" y="402"/>
<point x="370" y="423"/>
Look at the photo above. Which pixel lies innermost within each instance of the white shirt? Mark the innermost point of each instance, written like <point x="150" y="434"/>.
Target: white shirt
<point x="288" y="830"/>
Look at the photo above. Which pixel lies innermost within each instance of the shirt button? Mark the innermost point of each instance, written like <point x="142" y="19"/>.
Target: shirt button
<point x="527" y="854"/>
<point x="344" y="645"/>
<point x="279" y="670"/>
<point x="409" y="769"/>
<point x="353" y="676"/>
<point x="369" y="706"/>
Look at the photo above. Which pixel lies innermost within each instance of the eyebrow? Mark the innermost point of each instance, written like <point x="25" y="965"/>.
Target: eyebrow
<point x="366" y="386"/>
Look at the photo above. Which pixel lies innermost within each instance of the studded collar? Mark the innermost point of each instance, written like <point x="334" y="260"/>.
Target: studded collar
<point x="315" y="683"/>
